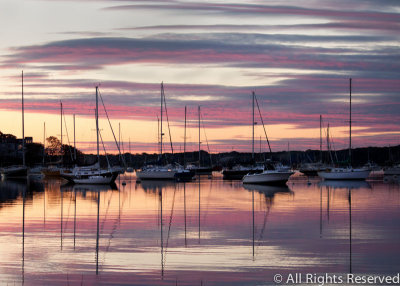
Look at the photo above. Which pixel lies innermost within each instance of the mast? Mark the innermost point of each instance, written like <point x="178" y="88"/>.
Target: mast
<point x="61" y="122"/>
<point x="97" y="125"/>
<point x="350" y="129"/>
<point x="44" y="141"/>
<point x="23" y="122"/>
<point x="199" y="134"/>
<point x="252" y="149"/>
<point x="161" y="112"/>
<point x="74" y="142"/>
<point x="184" y="142"/>
<point x="320" y="138"/>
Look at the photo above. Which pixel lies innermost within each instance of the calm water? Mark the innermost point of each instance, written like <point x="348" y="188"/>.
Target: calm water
<point x="207" y="232"/>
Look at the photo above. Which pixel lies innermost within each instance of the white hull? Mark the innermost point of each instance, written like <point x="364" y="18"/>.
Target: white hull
<point x="267" y="177"/>
<point x="344" y="174"/>
<point x="156" y="175"/>
<point x="88" y="175"/>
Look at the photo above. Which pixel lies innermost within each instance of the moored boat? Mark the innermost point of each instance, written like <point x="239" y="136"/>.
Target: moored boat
<point x="348" y="173"/>
<point x="14" y="172"/>
<point x="344" y="174"/>
<point x="278" y="175"/>
<point x="238" y="172"/>
<point x="156" y="173"/>
<point x="92" y="174"/>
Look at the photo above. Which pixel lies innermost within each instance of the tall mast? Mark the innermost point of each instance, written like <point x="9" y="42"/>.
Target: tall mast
<point x="199" y="133"/>
<point x="119" y="142"/>
<point x="74" y="142"/>
<point x="350" y="129"/>
<point x="61" y="122"/>
<point x="97" y="125"/>
<point x="44" y="140"/>
<point x="252" y="149"/>
<point x="161" y="112"/>
<point x="184" y="142"/>
<point x="320" y="138"/>
<point x="23" y="122"/>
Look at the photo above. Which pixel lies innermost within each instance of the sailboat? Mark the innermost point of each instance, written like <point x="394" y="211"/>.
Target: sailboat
<point x="18" y="171"/>
<point x="273" y="173"/>
<point x="200" y="170"/>
<point x="312" y="169"/>
<point x="348" y="173"/>
<point x="92" y="174"/>
<point x="238" y="171"/>
<point x="158" y="172"/>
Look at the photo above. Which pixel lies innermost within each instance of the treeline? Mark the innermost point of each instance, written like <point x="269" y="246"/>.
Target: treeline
<point x="55" y="153"/>
<point x="382" y="156"/>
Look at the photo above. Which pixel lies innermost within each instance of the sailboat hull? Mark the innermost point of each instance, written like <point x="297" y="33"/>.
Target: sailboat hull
<point x="156" y="174"/>
<point x="14" y="172"/>
<point x="344" y="174"/>
<point x="83" y="176"/>
<point x="97" y="180"/>
<point x="267" y="177"/>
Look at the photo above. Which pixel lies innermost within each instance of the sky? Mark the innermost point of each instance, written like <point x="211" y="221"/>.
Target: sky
<point x="297" y="56"/>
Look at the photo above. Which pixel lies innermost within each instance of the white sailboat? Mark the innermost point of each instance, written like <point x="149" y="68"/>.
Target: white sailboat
<point x="273" y="173"/>
<point x="18" y="171"/>
<point x="158" y="172"/>
<point x="92" y="174"/>
<point x="348" y="173"/>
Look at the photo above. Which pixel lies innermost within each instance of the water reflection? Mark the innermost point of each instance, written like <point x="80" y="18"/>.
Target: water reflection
<point x="208" y="231"/>
<point x="347" y="186"/>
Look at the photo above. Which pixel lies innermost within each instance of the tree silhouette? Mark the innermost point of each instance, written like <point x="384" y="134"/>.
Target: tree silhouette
<point x="53" y="146"/>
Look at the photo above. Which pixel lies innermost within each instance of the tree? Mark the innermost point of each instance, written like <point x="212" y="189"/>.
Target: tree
<point x="53" y="146"/>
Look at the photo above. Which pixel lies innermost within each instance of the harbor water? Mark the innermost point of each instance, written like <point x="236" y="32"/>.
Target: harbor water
<point x="205" y="232"/>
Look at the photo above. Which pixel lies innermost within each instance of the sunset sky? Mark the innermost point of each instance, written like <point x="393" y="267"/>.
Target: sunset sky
<point x="297" y="56"/>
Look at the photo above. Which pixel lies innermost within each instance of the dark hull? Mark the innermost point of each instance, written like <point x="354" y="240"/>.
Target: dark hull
<point x="310" y="173"/>
<point x="185" y="176"/>
<point x="203" y="171"/>
<point x="14" y="173"/>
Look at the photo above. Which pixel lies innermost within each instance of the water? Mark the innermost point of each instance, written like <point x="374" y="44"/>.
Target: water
<point x="207" y="232"/>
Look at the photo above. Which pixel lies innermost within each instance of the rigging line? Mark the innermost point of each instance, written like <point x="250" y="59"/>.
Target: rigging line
<point x="114" y="229"/>
<point x="262" y="121"/>
<point x="169" y="226"/>
<point x="66" y="130"/>
<point x="169" y="129"/>
<point x="334" y="149"/>
<point x="106" y="214"/>
<point x="69" y="206"/>
<point x="267" y="211"/>
<point x="112" y="130"/>
<point x="104" y="148"/>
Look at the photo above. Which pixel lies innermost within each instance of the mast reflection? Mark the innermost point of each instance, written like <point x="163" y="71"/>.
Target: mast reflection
<point x="268" y="192"/>
<point x="348" y="186"/>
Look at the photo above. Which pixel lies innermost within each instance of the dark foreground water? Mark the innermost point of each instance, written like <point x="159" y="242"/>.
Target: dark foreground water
<point x="207" y="232"/>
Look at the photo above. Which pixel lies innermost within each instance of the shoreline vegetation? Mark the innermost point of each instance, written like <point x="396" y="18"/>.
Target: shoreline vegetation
<point x="11" y="154"/>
